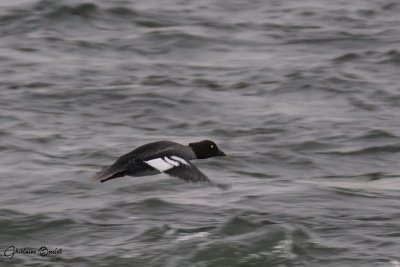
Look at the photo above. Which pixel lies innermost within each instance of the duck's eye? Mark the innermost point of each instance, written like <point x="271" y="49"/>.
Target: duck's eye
<point x="212" y="146"/>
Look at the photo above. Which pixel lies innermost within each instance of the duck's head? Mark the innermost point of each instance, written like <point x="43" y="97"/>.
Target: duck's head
<point x="206" y="149"/>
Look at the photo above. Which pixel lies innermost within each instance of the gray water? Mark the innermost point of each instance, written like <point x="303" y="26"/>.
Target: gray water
<point x="305" y="95"/>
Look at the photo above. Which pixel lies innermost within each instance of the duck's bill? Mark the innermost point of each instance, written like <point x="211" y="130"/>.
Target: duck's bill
<point x="220" y="153"/>
<point x="229" y="154"/>
<point x="226" y="154"/>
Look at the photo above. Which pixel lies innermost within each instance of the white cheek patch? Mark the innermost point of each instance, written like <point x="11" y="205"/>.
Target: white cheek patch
<point x="180" y="160"/>
<point x="160" y="164"/>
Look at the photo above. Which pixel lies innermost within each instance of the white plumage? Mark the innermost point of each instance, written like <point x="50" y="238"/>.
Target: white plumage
<point x="172" y="162"/>
<point x="165" y="164"/>
<point x="159" y="164"/>
<point x="180" y="160"/>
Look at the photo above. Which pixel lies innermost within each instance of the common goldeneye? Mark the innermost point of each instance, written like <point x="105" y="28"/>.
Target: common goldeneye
<point x="163" y="156"/>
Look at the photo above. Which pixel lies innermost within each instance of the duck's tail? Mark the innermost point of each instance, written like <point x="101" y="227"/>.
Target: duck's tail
<point x="109" y="173"/>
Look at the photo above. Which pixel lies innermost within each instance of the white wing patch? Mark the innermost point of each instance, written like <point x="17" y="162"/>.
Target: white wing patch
<point x="159" y="164"/>
<point x="164" y="164"/>
<point x="170" y="161"/>
<point x="180" y="160"/>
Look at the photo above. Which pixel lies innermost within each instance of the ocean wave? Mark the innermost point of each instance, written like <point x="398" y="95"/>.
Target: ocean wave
<point x="391" y="148"/>
<point x="61" y="15"/>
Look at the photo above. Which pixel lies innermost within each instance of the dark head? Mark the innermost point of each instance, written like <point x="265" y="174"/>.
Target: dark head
<point x="206" y="149"/>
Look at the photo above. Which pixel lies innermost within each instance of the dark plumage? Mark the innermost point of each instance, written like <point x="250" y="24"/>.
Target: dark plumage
<point x="163" y="156"/>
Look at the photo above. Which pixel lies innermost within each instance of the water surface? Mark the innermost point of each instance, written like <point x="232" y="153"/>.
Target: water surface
<point x="304" y="94"/>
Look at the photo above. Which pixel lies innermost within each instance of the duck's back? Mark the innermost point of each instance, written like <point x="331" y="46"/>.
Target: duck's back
<point x="158" y="149"/>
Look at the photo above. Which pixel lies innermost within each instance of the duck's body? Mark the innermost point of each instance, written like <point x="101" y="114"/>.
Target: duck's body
<point x="163" y="156"/>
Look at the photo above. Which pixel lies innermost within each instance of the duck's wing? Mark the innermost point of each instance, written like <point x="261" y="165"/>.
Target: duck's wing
<point x="178" y="167"/>
<point x="124" y="164"/>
